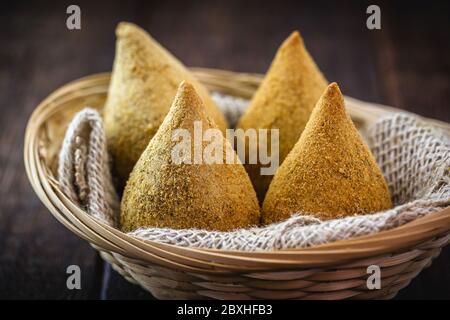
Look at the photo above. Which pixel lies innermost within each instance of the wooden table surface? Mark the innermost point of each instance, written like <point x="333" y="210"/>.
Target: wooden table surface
<point x="406" y="64"/>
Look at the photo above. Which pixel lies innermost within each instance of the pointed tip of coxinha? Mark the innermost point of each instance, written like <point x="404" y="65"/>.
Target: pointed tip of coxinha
<point x="293" y="45"/>
<point x="187" y="107"/>
<point x="143" y="84"/>
<point x="330" y="172"/>
<point x="293" y="39"/>
<point x="331" y="104"/>
<point x="284" y="101"/>
<point x="186" y="89"/>
<point x="333" y="90"/>
<point x="187" y="98"/>
<point x="132" y="33"/>
<point x="161" y="193"/>
<point x="124" y="27"/>
<point x="185" y="86"/>
<point x="333" y="96"/>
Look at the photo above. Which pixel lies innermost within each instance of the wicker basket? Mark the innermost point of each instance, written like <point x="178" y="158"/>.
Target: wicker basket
<point x="332" y="271"/>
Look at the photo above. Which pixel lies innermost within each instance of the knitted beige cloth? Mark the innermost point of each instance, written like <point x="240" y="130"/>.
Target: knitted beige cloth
<point x="414" y="158"/>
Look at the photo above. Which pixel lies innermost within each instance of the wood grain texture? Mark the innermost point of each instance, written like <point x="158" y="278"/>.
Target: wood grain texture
<point x="406" y="64"/>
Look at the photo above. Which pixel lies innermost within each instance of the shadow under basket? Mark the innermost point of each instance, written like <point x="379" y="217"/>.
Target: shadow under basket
<point x="336" y="270"/>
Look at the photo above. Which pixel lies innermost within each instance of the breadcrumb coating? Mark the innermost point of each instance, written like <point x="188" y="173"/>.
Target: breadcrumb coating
<point x="160" y="193"/>
<point x="144" y="82"/>
<point x="284" y="101"/>
<point x="330" y="172"/>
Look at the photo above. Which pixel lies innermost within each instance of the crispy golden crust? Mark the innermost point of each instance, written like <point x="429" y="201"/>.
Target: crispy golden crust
<point x="330" y="172"/>
<point x="160" y="193"/>
<point x="144" y="82"/>
<point x="284" y="101"/>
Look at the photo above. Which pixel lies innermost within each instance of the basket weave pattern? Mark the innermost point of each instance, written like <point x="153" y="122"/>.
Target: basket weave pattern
<point x="412" y="158"/>
<point x="330" y="271"/>
<point x="342" y="282"/>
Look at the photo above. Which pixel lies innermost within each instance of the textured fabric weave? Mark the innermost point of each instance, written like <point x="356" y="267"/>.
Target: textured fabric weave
<point x="414" y="158"/>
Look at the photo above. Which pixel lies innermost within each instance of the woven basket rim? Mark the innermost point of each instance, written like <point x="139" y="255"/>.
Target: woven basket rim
<point x="216" y="260"/>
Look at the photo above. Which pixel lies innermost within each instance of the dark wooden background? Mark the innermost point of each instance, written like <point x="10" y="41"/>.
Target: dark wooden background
<point x="406" y="65"/>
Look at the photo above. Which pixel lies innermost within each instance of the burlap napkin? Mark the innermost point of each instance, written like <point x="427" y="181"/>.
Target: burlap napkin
<point x="414" y="158"/>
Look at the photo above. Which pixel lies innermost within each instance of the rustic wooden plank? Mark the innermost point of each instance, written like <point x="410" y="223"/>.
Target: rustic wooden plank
<point x="38" y="55"/>
<point x="413" y="57"/>
<point x="414" y="50"/>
